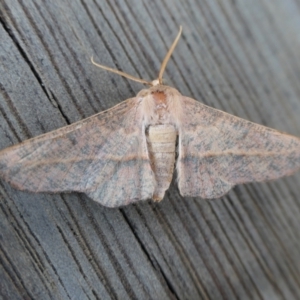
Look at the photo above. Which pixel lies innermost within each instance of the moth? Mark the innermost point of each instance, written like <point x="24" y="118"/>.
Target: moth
<point x="128" y="153"/>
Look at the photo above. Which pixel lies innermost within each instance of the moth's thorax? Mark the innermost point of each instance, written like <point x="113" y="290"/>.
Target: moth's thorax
<point x="161" y="105"/>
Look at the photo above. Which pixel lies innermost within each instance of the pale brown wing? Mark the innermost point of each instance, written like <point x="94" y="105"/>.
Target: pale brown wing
<point x="104" y="156"/>
<point x="218" y="151"/>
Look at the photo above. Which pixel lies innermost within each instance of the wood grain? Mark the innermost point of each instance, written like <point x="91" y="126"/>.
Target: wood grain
<point x="237" y="56"/>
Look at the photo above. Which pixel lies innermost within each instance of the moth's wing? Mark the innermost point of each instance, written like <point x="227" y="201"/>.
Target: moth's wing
<point x="218" y="151"/>
<point x="104" y="156"/>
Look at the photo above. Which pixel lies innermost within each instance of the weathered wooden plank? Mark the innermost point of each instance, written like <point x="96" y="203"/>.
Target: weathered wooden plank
<point x="238" y="56"/>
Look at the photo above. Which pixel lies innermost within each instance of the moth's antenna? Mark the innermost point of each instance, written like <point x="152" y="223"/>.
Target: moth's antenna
<point x="161" y="71"/>
<point x="121" y="73"/>
<point x="168" y="55"/>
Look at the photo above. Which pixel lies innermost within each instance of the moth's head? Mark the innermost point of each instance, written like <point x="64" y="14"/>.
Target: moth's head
<point x="155" y="82"/>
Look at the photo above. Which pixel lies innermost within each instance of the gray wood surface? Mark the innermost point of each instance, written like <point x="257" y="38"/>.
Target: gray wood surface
<point x="239" y="56"/>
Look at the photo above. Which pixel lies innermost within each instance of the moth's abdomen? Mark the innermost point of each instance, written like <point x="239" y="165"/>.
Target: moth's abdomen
<point x="161" y="141"/>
